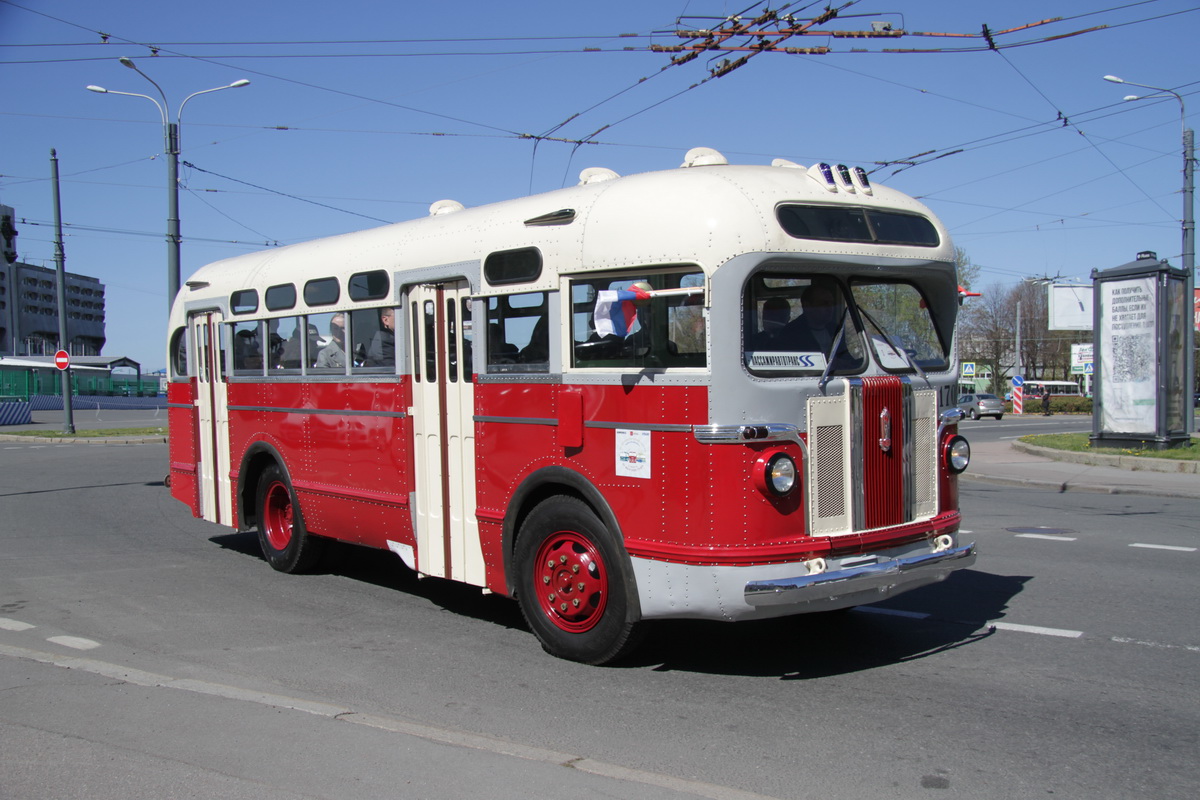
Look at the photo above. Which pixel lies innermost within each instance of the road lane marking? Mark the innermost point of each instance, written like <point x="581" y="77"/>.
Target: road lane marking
<point x="14" y="625"/>
<point x="336" y="713"/>
<point x="1046" y="536"/>
<point x="74" y="642"/>
<point x="1012" y="626"/>
<point x="1164" y="547"/>
<point x="1159" y="645"/>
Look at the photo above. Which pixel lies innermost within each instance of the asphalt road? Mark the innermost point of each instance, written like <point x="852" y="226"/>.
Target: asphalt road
<point x="144" y="653"/>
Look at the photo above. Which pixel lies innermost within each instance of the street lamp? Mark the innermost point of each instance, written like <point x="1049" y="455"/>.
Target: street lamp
<point x="171" y="139"/>
<point x="1189" y="237"/>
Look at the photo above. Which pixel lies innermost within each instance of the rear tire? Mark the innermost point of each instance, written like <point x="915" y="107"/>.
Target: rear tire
<point x="286" y="544"/>
<point x="974" y="414"/>
<point x="572" y="583"/>
<point x="999" y="417"/>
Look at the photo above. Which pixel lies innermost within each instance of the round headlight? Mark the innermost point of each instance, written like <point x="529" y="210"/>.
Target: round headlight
<point x="958" y="454"/>
<point x="781" y="474"/>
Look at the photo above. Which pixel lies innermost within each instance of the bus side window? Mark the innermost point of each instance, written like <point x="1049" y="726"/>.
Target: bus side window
<point x="518" y="333"/>
<point x="247" y="348"/>
<point x="327" y="353"/>
<point x="179" y="355"/>
<point x="467" y="341"/>
<point x="289" y="352"/>
<point x="374" y="348"/>
<point x="667" y="330"/>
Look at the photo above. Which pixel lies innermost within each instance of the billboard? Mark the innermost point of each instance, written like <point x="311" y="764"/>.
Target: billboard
<point x="1070" y="307"/>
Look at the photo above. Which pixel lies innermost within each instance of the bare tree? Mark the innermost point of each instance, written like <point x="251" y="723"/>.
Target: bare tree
<point x="987" y="332"/>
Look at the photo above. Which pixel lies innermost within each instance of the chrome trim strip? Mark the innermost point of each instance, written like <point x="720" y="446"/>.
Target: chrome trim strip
<point x="638" y="426"/>
<point x="553" y="422"/>
<point x="741" y="434"/>
<point x="336" y="412"/>
<point x="907" y="454"/>
<point x="882" y="576"/>
<point x="858" y="498"/>
<point x="516" y="420"/>
<point x="950" y="416"/>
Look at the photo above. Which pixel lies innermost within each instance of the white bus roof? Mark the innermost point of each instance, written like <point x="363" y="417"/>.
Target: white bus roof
<point x="703" y="213"/>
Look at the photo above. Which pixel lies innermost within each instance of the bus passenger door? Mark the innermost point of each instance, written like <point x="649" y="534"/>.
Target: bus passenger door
<point x="444" y="432"/>
<point x="212" y="418"/>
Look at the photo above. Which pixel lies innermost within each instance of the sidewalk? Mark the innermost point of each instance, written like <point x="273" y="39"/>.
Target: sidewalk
<point x="50" y="424"/>
<point x="1004" y="463"/>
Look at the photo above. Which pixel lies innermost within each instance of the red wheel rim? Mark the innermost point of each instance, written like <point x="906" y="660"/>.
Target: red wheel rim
<point x="277" y="515"/>
<point x="570" y="581"/>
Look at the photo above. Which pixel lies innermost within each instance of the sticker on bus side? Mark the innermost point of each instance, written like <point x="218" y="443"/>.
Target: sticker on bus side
<point x="767" y="361"/>
<point x="633" y="453"/>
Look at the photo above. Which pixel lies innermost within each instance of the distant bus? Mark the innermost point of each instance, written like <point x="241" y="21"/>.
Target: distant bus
<point x="612" y="402"/>
<point x="1055" y="388"/>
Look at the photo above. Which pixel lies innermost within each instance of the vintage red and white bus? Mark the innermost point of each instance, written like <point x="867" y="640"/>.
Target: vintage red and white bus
<point x="718" y="391"/>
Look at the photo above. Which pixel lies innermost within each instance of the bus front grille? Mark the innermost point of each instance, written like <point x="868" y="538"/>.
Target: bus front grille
<point x="872" y="459"/>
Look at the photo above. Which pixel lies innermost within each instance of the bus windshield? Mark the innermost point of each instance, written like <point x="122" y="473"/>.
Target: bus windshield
<point x="810" y="325"/>
<point x="899" y="327"/>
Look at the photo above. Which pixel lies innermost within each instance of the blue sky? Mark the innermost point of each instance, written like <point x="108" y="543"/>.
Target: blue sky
<point x="363" y="112"/>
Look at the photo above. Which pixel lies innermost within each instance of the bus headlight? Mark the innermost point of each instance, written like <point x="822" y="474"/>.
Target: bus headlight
<point x="957" y="453"/>
<point x="775" y="474"/>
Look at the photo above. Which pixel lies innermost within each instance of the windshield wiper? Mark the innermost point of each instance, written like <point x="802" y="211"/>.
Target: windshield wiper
<point x="903" y="354"/>
<point x="837" y="341"/>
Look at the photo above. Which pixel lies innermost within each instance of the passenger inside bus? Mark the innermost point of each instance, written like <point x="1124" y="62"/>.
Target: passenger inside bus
<point x="776" y="313"/>
<point x="382" y="352"/>
<point x="818" y="323"/>
<point x="333" y="355"/>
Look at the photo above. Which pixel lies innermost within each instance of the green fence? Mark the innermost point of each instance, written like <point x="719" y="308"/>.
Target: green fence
<point x="21" y="384"/>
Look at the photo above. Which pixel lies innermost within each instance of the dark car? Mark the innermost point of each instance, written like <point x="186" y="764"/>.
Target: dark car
<point x="981" y="405"/>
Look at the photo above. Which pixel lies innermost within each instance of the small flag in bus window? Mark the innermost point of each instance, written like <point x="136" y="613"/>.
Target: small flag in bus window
<point x="615" y="312"/>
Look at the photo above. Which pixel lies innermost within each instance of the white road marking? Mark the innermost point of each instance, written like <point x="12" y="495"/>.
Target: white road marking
<point x="74" y="642"/>
<point x="1164" y="547"/>
<point x="1012" y="626"/>
<point x="14" y="625"/>
<point x="1161" y="646"/>
<point x="1046" y="536"/>
<point x="338" y="713"/>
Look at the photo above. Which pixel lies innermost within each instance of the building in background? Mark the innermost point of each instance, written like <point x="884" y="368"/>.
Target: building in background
<point x="29" y="304"/>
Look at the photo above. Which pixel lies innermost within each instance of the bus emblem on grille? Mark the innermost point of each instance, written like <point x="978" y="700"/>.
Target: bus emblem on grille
<point x="885" y="430"/>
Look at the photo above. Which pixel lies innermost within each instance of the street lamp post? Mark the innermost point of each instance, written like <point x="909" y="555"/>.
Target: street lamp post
<point x="171" y="145"/>
<point x="1189" y="238"/>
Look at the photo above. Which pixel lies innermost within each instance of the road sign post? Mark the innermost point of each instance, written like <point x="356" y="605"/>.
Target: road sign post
<point x="1018" y="383"/>
<point x="62" y="362"/>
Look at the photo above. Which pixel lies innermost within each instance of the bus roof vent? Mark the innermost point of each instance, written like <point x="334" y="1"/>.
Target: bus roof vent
<point x="703" y="157"/>
<point x="596" y="175"/>
<point x="783" y="162"/>
<point x="444" y="207"/>
<point x="823" y="174"/>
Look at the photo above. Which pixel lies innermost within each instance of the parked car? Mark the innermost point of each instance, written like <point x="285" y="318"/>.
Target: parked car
<point x="981" y="405"/>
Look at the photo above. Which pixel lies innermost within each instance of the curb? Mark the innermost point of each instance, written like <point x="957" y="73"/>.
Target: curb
<point x="1131" y="463"/>
<point x="1067" y="486"/>
<point x="8" y="437"/>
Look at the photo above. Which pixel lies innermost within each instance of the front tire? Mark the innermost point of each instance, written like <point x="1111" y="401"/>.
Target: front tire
<point x="572" y="583"/>
<point x="286" y="544"/>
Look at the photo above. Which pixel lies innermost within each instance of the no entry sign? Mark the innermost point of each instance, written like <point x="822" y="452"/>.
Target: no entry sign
<point x="62" y="359"/>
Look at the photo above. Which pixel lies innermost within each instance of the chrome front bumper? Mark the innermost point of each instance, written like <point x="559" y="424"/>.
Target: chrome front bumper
<point x="860" y="584"/>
